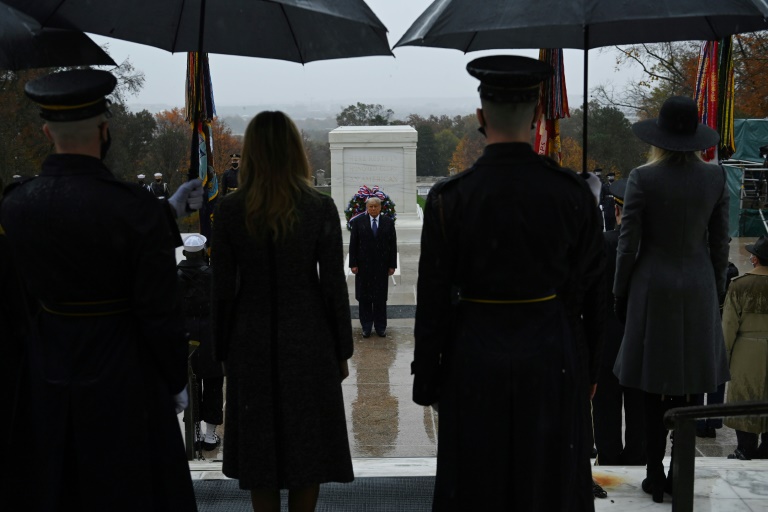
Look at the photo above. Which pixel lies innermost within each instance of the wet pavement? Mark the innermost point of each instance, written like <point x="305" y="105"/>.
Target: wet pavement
<point x="382" y="420"/>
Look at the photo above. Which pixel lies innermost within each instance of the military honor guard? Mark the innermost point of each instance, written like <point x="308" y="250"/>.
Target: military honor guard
<point x="158" y="188"/>
<point x="501" y="291"/>
<point x="107" y="351"/>
<point x="229" y="180"/>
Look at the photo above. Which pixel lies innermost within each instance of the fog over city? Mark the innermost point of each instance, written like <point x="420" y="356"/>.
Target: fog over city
<point x="416" y="80"/>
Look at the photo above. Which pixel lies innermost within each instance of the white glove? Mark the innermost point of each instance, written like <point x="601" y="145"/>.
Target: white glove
<point x="182" y="400"/>
<point x="188" y="198"/>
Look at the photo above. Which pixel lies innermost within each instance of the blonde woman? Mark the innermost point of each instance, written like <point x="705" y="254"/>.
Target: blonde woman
<point x="281" y="323"/>
<point x="670" y="272"/>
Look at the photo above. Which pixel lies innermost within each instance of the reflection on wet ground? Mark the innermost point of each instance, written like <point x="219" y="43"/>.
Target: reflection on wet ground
<point x="382" y="419"/>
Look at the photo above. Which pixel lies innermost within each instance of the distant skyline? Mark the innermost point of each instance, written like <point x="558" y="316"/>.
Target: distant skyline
<point x="434" y="75"/>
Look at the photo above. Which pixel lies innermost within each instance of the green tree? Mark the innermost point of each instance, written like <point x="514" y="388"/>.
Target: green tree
<point x="363" y="114"/>
<point x="446" y="143"/>
<point x="612" y="145"/>
<point x="132" y="136"/>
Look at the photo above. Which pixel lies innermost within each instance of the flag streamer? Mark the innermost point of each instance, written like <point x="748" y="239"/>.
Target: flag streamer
<point x="200" y="111"/>
<point x="553" y="106"/>
<point x="714" y="94"/>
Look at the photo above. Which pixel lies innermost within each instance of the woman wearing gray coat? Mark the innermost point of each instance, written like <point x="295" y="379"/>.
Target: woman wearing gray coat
<point x="670" y="274"/>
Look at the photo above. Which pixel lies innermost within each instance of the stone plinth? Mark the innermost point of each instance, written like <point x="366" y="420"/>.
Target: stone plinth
<point x="383" y="156"/>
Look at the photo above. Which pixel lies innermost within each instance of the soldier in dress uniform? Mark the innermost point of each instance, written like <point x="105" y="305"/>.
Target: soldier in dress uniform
<point x="140" y="179"/>
<point x="107" y="350"/>
<point x="500" y="297"/>
<point x="159" y="189"/>
<point x="611" y="396"/>
<point x="229" y="180"/>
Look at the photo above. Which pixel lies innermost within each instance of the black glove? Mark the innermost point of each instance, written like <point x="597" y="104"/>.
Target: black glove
<point x="620" y="308"/>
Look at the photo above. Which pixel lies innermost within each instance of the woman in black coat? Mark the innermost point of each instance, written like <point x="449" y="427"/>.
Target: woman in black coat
<point x="281" y="323"/>
<point x="670" y="270"/>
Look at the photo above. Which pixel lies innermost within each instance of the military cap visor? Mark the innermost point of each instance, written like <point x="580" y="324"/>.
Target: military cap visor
<point x="72" y="95"/>
<point x="509" y="78"/>
<point x="617" y="191"/>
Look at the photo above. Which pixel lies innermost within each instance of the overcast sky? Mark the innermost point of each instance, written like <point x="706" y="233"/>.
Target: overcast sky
<point x="414" y="72"/>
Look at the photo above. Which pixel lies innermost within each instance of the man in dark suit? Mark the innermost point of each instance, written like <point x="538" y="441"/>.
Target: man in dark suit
<point x="372" y="258"/>
<point x="610" y="395"/>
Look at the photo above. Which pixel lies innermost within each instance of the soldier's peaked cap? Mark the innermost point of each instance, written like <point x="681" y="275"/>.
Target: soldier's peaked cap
<point x="509" y="78"/>
<point x="617" y="191"/>
<point x="72" y="95"/>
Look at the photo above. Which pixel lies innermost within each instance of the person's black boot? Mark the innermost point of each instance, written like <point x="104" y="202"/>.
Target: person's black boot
<point x="654" y="483"/>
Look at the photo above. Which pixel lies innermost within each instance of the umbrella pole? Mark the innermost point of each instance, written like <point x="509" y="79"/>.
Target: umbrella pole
<point x="585" y="109"/>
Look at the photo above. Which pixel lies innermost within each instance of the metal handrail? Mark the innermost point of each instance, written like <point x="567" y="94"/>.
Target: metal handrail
<point x="682" y="420"/>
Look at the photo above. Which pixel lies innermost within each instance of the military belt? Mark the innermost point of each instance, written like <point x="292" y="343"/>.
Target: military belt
<point x="87" y="308"/>
<point x="509" y="301"/>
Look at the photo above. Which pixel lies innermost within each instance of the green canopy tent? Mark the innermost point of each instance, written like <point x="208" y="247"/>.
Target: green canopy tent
<point x="750" y="135"/>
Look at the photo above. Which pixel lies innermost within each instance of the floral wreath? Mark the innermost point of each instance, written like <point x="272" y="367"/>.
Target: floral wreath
<point x="356" y="206"/>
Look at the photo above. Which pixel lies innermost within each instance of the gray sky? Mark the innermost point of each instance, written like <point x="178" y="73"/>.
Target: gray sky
<point x="414" y="72"/>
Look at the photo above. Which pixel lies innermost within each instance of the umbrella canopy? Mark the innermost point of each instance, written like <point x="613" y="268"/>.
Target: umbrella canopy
<point x="293" y="30"/>
<point x="581" y="24"/>
<point x="25" y="45"/>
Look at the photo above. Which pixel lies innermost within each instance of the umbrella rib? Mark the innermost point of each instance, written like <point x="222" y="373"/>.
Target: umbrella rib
<point x="469" y="44"/>
<point x="178" y="27"/>
<point x="52" y="14"/>
<point x="293" y="35"/>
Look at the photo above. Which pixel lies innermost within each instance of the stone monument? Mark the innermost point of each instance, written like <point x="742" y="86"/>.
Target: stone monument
<point x="374" y="155"/>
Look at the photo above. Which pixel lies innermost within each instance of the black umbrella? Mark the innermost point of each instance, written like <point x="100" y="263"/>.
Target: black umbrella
<point x="25" y="45"/>
<point x="469" y="25"/>
<point x="293" y="30"/>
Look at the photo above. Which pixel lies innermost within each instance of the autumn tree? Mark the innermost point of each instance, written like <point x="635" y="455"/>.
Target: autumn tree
<point x="468" y="150"/>
<point x="224" y="144"/>
<point x="362" y="114"/>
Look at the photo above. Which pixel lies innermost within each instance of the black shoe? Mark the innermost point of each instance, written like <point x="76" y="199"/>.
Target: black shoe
<point x="382" y="333"/>
<point x="211" y="446"/>
<point x="597" y="491"/>
<point x="711" y="432"/>
<point x="366" y="334"/>
<point x="654" y="485"/>
<point x="738" y="454"/>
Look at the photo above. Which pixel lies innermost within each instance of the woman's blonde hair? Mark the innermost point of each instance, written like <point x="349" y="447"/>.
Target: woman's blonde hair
<point x="659" y="155"/>
<point x="273" y="173"/>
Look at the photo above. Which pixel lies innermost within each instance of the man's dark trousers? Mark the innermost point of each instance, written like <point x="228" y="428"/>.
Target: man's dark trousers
<point x="373" y="314"/>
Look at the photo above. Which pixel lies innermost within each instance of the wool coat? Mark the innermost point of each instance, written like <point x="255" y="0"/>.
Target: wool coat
<point x="499" y="337"/>
<point x="107" y="350"/>
<point x="282" y="325"/>
<point x="671" y="265"/>
<point x="745" y="327"/>
<point x="373" y="256"/>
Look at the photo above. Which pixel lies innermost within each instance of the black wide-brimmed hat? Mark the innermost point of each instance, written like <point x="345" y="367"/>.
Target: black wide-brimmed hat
<point x="72" y="95"/>
<point x="677" y="128"/>
<point x="759" y="248"/>
<point x="509" y="78"/>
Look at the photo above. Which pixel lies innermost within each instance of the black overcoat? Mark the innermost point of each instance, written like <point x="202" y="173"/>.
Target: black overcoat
<point x="107" y="349"/>
<point x="282" y="325"/>
<point x="507" y="376"/>
<point x="372" y="256"/>
<point x="197" y="315"/>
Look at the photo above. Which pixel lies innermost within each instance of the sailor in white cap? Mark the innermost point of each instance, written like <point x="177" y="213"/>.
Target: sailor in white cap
<point x="194" y="283"/>
<point x="140" y="180"/>
<point x="158" y="188"/>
